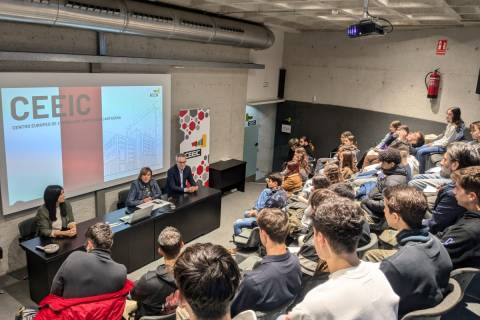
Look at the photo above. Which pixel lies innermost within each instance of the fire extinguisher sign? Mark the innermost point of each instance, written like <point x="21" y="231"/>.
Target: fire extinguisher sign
<point x="441" y="47"/>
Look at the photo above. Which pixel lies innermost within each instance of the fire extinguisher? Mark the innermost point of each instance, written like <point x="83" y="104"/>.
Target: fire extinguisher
<point x="432" y="82"/>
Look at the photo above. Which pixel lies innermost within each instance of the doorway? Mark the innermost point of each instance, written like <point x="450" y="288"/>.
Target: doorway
<point x="250" y="145"/>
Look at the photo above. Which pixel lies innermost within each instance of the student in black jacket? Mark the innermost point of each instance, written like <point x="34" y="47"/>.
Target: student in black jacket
<point x="462" y="240"/>
<point x="392" y="174"/>
<point x="155" y="291"/>
<point x="178" y="175"/>
<point x="419" y="271"/>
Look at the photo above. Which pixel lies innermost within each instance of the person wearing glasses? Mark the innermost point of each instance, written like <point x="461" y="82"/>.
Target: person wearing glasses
<point x="179" y="177"/>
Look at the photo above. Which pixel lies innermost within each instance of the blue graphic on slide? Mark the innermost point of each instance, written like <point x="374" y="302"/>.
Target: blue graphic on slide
<point x="135" y="138"/>
<point x="33" y="150"/>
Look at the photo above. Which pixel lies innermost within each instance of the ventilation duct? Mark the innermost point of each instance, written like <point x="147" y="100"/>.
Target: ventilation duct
<point x="133" y="17"/>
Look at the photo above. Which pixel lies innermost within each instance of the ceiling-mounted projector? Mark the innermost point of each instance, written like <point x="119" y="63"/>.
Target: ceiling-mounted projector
<point x="369" y="26"/>
<point x="365" y="28"/>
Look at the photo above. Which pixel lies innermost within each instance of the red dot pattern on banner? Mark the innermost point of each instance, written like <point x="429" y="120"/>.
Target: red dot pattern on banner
<point x="200" y="172"/>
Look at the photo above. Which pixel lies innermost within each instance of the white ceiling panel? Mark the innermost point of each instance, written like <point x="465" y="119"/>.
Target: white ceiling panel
<point x="338" y="14"/>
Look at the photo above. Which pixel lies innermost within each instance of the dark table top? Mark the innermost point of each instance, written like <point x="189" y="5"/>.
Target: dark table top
<point x="227" y="164"/>
<point x="68" y="245"/>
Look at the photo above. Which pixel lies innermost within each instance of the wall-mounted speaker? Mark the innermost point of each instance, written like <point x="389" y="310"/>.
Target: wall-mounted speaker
<point x="281" y="83"/>
<point x="478" y="83"/>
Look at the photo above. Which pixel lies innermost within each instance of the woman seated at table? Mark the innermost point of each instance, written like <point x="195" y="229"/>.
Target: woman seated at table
<point x="144" y="189"/>
<point x="55" y="217"/>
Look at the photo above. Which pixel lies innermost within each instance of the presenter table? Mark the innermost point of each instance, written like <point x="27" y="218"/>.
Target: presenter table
<point x="133" y="245"/>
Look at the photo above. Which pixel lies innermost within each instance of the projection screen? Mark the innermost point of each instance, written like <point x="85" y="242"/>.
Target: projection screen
<point x="84" y="132"/>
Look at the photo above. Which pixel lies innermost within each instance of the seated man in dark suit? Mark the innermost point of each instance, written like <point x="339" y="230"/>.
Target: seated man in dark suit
<point x="178" y="175"/>
<point x="91" y="273"/>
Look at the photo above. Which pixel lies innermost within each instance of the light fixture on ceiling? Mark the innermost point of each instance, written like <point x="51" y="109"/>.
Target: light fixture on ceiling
<point x="369" y="25"/>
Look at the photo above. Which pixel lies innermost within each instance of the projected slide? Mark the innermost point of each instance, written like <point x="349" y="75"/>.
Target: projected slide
<point x="78" y="137"/>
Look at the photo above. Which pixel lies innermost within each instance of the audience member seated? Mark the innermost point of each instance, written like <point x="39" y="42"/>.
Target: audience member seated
<point x="88" y="286"/>
<point x="446" y="210"/>
<point x="55" y="217"/>
<point x="318" y="181"/>
<point x="453" y="132"/>
<point x="207" y="278"/>
<point x="416" y="139"/>
<point x="307" y="144"/>
<point x="348" y="165"/>
<point x="475" y="133"/>
<point x="277" y="280"/>
<point x="142" y="190"/>
<point x="347" y="142"/>
<point x="371" y="156"/>
<point x="310" y="263"/>
<point x="424" y="285"/>
<point x="179" y="177"/>
<point x="301" y="158"/>
<point x="293" y="144"/>
<point x="154" y="293"/>
<point x="401" y="142"/>
<point x="440" y="178"/>
<point x="271" y="197"/>
<point x="355" y="289"/>
<point x="345" y="190"/>
<point x="86" y="274"/>
<point x="292" y="181"/>
<point x="332" y="172"/>
<point x="462" y="240"/>
<point x="389" y="137"/>
<point x="392" y="174"/>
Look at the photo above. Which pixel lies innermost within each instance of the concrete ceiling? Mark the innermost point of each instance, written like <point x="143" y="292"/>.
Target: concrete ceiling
<point x="300" y="15"/>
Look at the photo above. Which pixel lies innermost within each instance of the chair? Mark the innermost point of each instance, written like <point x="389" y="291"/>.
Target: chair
<point x="172" y="316"/>
<point x="27" y="229"/>
<point x="373" y="244"/>
<point x="448" y="303"/>
<point x="162" y="183"/>
<point x="122" y="198"/>
<point x="464" y="276"/>
<point x="246" y="315"/>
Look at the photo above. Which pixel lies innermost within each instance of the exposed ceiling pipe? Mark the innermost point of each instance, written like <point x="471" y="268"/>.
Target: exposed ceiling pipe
<point x="139" y="18"/>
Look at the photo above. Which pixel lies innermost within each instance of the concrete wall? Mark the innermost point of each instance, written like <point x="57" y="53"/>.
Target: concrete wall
<point x="222" y="90"/>
<point x="263" y="84"/>
<point x="385" y="73"/>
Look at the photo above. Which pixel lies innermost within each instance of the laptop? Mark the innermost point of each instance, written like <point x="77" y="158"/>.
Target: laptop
<point x="137" y="215"/>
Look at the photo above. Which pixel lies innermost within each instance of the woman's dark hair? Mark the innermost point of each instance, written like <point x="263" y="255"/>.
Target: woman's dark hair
<point x="457" y="116"/>
<point x="144" y="171"/>
<point x="50" y="198"/>
<point x="348" y="160"/>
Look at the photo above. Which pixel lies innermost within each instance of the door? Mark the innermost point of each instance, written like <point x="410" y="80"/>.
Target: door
<point x="250" y="150"/>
